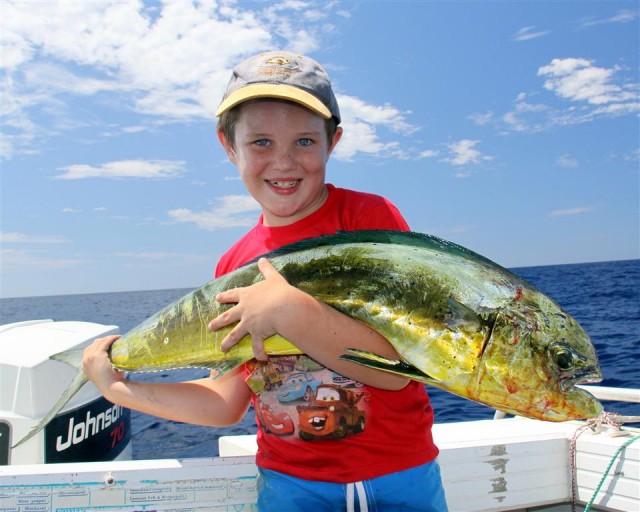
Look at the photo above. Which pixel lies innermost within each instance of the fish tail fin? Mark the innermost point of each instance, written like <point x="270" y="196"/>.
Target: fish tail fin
<point x="71" y="357"/>
<point x="377" y="362"/>
<point x="74" y="358"/>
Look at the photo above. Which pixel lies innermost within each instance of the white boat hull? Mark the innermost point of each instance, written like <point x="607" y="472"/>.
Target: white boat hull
<point x="509" y="464"/>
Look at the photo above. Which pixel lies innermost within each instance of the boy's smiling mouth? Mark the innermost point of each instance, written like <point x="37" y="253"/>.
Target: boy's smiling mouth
<point x="284" y="184"/>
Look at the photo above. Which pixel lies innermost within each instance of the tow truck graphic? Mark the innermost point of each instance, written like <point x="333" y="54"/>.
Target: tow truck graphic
<point x="333" y="413"/>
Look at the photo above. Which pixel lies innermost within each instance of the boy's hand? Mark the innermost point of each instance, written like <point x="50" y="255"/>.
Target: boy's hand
<point x="257" y="309"/>
<point x="97" y="365"/>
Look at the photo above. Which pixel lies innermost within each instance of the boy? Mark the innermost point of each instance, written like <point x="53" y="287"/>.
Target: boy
<point x="344" y="433"/>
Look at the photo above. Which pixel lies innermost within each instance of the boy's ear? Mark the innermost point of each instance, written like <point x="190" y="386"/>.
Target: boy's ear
<point x="228" y="148"/>
<point x="336" y="138"/>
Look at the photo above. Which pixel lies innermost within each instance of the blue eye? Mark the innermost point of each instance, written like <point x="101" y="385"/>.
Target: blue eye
<point x="305" y="142"/>
<point x="261" y="142"/>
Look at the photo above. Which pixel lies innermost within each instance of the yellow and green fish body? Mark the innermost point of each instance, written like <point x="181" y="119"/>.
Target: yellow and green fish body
<point x="457" y="320"/>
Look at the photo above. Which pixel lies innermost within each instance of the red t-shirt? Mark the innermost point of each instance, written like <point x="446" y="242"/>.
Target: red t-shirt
<point x="316" y="424"/>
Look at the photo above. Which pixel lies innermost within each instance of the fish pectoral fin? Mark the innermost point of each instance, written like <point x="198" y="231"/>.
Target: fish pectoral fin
<point x="377" y="362"/>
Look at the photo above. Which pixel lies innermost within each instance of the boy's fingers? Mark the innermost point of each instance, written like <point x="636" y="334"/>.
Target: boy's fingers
<point x="228" y="296"/>
<point x="234" y="336"/>
<point x="267" y="269"/>
<point x="104" y="343"/>
<point x="223" y="319"/>
<point x="258" y="348"/>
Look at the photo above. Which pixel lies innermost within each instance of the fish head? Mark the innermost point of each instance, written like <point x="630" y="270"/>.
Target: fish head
<point x="534" y="358"/>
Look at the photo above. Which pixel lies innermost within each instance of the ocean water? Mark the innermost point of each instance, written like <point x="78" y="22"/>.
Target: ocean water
<point x="603" y="297"/>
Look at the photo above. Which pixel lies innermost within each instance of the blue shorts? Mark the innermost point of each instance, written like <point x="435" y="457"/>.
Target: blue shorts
<point x="415" y="489"/>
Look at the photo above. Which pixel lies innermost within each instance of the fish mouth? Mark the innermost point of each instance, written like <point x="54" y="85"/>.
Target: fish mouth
<point x="590" y="376"/>
<point x="576" y="402"/>
<point x="584" y="404"/>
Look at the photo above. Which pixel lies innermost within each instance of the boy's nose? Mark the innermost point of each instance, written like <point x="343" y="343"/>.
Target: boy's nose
<point x="284" y="160"/>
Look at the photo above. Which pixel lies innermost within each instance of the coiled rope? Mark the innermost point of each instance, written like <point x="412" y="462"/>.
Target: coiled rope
<point x="598" y="424"/>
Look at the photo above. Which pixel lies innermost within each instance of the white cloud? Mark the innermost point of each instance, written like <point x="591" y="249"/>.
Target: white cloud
<point x="22" y="238"/>
<point x="528" y="33"/>
<point x="360" y="137"/>
<point x="361" y="122"/>
<point x="566" y="161"/>
<point x="579" y="80"/>
<point x="163" y="62"/>
<point x="133" y="129"/>
<point x="146" y="169"/>
<point x="41" y="260"/>
<point x="463" y="152"/>
<point x="632" y="156"/>
<point x="300" y="40"/>
<point x="593" y="92"/>
<point x="170" y="61"/>
<point x="47" y="79"/>
<point x="568" y="212"/>
<point x="622" y="16"/>
<point x="481" y="118"/>
<point x="354" y="108"/>
<point x="429" y="153"/>
<point x="526" y="115"/>
<point x="232" y="211"/>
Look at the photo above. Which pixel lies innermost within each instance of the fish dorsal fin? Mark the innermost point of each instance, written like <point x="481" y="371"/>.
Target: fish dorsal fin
<point x="407" y="238"/>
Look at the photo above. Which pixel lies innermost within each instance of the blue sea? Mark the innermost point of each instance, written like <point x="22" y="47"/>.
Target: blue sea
<point x="603" y="297"/>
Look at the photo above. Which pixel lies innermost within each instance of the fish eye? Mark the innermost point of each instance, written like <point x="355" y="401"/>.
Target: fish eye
<point x="563" y="358"/>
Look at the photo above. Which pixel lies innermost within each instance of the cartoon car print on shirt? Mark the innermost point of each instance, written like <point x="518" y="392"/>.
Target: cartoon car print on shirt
<point x="271" y="377"/>
<point x="300" y="385"/>
<point x="345" y="382"/>
<point x="333" y="413"/>
<point x="272" y="422"/>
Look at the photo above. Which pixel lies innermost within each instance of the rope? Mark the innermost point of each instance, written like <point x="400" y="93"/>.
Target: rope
<point x="599" y="487"/>
<point x="597" y="425"/>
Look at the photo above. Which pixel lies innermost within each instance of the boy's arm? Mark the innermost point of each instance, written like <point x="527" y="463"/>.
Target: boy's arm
<point x="217" y="403"/>
<point x="273" y="306"/>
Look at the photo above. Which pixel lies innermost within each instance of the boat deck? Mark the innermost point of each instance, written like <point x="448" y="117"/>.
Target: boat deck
<point x="494" y="465"/>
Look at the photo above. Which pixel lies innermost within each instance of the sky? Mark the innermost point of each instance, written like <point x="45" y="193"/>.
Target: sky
<point x="509" y="127"/>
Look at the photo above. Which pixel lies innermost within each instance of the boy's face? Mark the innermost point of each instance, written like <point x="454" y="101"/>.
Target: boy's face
<point x="281" y="151"/>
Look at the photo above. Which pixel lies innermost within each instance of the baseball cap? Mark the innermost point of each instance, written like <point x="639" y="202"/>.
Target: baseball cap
<point x="284" y="75"/>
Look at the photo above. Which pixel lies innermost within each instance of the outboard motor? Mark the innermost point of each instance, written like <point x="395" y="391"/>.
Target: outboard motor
<point x="89" y="428"/>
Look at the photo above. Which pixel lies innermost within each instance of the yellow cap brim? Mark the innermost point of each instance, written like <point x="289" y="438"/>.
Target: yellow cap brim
<point x="284" y="92"/>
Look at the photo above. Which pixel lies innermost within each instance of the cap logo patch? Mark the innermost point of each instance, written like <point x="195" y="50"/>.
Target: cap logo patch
<point x="278" y="61"/>
<point x="279" y="66"/>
